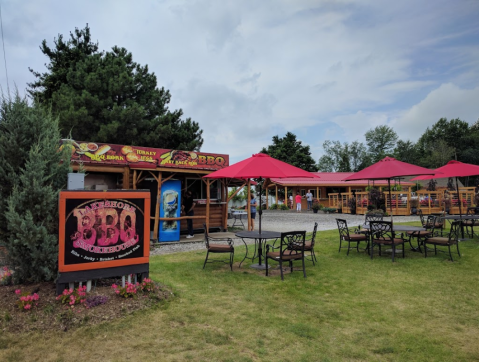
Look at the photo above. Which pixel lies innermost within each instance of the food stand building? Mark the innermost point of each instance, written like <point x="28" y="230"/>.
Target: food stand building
<point x="110" y="166"/>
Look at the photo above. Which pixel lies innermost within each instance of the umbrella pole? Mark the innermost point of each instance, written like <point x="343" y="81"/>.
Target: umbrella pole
<point x="260" y="212"/>
<point x="459" y="201"/>
<point x="390" y="200"/>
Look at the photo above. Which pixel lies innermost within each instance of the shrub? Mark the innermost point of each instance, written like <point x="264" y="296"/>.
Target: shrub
<point x="27" y="301"/>
<point x="6" y="277"/>
<point x="128" y="291"/>
<point x="274" y="207"/>
<point x="283" y="207"/>
<point x="95" y="300"/>
<point x="375" y="212"/>
<point x="329" y="210"/>
<point x="414" y="203"/>
<point x="30" y="180"/>
<point x="73" y="297"/>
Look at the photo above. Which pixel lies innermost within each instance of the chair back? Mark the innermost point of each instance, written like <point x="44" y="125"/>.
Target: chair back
<point x="430" y="222"/>
<point x="373" y="217"/>
<point x="313" y="237"/>
<point x="343" y="229"/>
<point x="207" y="237"/>
<point x="454" y="232"/>
<point x="381" y="230"/>
<point x="473" y="210"/>
<point x="292" y="241"/>
<point x="421" y="216"/>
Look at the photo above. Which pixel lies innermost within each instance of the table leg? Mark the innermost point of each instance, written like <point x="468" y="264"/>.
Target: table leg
<point x="246" y="254"/>
<point x="260" y="254"/>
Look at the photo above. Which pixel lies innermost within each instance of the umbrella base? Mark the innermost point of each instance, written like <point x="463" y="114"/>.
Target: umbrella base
<point x="259" y="266"/>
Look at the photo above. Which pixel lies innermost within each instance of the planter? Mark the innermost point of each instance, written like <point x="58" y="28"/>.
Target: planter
<point x="413" y="210"/>
<point x="340" y="211"/>
<point x="315" y="211"/>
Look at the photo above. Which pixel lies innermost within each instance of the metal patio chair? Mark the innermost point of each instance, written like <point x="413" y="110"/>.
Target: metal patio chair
<point x="219" y="246"/>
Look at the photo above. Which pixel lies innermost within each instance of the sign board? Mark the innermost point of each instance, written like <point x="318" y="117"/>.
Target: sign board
<point x="142" y="157"/>
<point x="103" y="229"/>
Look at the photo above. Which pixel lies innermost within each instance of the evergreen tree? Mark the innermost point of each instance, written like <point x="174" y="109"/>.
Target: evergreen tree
<point x="107" y="97"/>
<point x="33" y="171"/>
<point x="289" y="149"/>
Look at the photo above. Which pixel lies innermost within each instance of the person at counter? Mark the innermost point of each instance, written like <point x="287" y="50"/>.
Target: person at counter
<point x="188" y="208"/>
<point x="253" y="205"/>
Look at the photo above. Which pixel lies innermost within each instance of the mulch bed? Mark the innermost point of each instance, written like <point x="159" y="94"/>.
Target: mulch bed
<point x="50" y="314"/>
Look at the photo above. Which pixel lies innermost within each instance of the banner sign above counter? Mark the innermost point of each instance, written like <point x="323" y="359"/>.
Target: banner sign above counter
<point x="142" y="157"/>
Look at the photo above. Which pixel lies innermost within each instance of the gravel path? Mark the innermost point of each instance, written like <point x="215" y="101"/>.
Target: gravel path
<point x="277" y="221"/>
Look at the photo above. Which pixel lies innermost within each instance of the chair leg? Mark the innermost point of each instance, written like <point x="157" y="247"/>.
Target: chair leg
<point x="281" y="268"/>
<point x="349" y="245"/>
<point x="403" y="251"/>
<point x="450" y="255"/>
<point x="207" y="253"/>
<point x="371" y="250"/>
<point x="232" y="255"/>
<point x="340" y="242"/>
<point x="435" y="249"/>
<point x="457" y="246"/>
<point x="304" y="267"/>
<point x="425" y="250"/>
<point x="266" y="262"/>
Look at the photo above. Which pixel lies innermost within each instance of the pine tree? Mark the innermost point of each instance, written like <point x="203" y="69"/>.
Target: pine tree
<point x="34" y="173"/>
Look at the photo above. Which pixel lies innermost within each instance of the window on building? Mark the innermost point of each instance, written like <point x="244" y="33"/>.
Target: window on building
<point x="198" y="188"/>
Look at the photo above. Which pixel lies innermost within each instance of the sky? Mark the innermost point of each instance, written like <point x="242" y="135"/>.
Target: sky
<point x="247" y="70"/>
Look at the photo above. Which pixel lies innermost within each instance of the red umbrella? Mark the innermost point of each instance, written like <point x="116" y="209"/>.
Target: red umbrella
<point x="386" y="169"/>
<point x="260" y="166"/>
<point x="453" y="169"/>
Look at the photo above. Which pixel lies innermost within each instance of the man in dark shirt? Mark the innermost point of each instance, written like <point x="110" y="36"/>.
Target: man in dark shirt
<point x="188" y="208"/>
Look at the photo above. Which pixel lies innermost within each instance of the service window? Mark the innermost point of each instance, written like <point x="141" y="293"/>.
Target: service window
<point x="198" y="188"/>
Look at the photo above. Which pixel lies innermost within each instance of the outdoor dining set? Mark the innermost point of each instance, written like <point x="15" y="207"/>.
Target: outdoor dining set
<point x="377" y="232"/>
<point x="283" y="248"/>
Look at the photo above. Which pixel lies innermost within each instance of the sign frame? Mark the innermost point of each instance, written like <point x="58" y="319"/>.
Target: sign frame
<point x="100" y="196"/>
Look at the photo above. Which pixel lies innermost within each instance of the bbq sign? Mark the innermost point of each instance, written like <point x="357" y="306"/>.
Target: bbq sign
<point x="103" y="229"/>
<point x="136" y="156"/>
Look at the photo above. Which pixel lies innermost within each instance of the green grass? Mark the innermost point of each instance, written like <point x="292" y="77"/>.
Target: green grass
<point x="349" y="308"/>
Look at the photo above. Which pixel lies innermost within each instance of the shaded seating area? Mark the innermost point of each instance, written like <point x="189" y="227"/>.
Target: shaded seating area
<point x="218" y="246"/>
<point x="448" y="241"/>
<point x="437" y="225"/>
<point x="347" y="237"/>
<point x="291" y="249"/>
<point x="382" y="234"/>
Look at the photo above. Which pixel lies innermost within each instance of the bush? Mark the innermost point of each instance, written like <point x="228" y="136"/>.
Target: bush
<point x="375" y="212"/>
<point x="274" y="207"/>
<point x="30" y="181"/>
<point x="283" y="207"/>
<point x="329" y="210"/>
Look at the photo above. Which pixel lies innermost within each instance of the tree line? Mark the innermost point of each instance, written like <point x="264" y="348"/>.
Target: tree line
<point x="446" y="140"/>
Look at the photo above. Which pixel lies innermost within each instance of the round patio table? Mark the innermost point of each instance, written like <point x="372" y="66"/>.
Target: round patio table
<point x="259" y="241"/>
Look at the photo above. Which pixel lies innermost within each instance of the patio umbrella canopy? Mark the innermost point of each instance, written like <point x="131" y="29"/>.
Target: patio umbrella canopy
<point x="386" y="169"/>
<point x="260" y="166"/>
<point x="453" y="169"/>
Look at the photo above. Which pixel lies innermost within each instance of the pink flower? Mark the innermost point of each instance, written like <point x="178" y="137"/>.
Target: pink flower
<point x="114" y="286"/>
<point x="28" y="306"/>
<point x="18" y="291"/>
<point x="117" y="291"/>
<point x="35" y="296"/>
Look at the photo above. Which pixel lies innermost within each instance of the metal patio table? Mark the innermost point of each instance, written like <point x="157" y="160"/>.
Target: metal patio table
<point x="238" y="217"/>
<point x="259" y="241"/>
<point x="461" y="218"/>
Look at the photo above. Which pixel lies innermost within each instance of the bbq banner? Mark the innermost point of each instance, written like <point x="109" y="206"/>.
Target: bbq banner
<point x="103" y="229"/>
<point x="144" y="157"/>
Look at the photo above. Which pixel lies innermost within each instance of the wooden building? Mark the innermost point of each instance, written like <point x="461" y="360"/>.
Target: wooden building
<point x="109" y="166"/>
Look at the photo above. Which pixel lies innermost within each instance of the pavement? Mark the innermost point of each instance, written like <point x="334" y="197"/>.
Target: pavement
<point x="273" y="220"/>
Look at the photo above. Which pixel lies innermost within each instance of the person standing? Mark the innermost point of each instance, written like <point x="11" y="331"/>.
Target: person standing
<point x="253" y="205"/>
<point x="291" y="201"/>
<point x="309" y="199"/>
<point x="188" y="208"/>
<point x="298" y="199"/>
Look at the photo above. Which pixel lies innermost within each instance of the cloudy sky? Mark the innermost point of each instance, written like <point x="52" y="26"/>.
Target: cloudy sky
<point x="248" y="70"/>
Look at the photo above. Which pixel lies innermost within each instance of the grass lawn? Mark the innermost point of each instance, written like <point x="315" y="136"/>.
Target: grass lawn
<point x="349" y="308"/>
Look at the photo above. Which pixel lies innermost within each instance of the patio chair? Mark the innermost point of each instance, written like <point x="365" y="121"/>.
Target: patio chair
<point x="468" y="224"/>
<point x="450" y="240"/>
<point x="290" y="249"/>
<point x="382" y="234"/>
<point x="438" y="224"/>
<point x="420" y="235"/>
<point x="309" y="245"/>
<point x="219" y="246"/>
<point x="345" y="235"/>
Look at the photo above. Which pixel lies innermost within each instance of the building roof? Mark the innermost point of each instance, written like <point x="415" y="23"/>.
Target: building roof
<point x="331" y="179"/>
